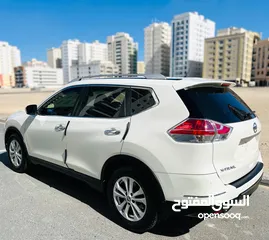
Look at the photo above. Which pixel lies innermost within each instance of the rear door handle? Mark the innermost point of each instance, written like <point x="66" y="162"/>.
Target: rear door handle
<point x="112" y="131"/>
<point x="59" y="128"/>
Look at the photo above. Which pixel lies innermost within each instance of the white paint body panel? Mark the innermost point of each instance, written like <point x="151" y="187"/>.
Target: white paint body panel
<point x="43" y="142"/>
<point x="89" y="147"/>
<point x="181" y="168"/>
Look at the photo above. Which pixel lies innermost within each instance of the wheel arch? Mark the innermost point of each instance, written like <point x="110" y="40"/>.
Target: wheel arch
<point x="11" y="130"/>
<point x="122" y="160"/>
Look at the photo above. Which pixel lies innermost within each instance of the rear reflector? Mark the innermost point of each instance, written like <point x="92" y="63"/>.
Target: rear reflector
<point x="200" y="131"/>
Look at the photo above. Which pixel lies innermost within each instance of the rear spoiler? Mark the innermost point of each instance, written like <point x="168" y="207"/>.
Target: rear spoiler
<point x="212" y="84"/>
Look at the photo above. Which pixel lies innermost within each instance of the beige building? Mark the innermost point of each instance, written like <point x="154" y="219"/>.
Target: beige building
<point x="7" y="80"/>
<point x="140" y="67"/>
<point x="228" y="56"/>
<point x="92" y="68"/>
<point x="122" y="51"/>
<point x="38" y="74"/>
<point x="157" y="39"/>
<point x="260" y="63"/>
<point x="54" y="57"/>
<point x="10" y="57"/>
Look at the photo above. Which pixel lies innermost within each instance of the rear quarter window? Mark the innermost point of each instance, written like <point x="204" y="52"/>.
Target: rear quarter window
<point x="220" y="104"/>
<point x="141" y="100"/>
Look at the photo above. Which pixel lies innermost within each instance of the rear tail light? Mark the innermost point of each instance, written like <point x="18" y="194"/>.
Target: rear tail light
<point x="200" y="131"/>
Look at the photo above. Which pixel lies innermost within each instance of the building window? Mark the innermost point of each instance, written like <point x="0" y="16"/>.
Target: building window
<point x="221" y="42"/>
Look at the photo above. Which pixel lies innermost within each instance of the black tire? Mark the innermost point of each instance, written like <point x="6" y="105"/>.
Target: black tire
<point x="24" y="159"/>
<point x="151" y="216"/>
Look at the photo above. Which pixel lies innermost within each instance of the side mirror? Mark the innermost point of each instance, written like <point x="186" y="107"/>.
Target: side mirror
<point x="31" y="109"/>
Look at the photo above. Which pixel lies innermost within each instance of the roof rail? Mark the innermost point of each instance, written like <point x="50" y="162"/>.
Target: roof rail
<point x="135" y="76"/>
<point x="174" y="78"/>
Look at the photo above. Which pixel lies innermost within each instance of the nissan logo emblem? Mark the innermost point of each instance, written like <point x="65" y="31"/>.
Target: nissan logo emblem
<point x="255" y="127"/>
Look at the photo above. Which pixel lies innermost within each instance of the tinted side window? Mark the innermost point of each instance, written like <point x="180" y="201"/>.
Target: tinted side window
<point x="215" y="103"/>
<point x="104" y="102"/>
<point x="141" y="99"/>
<point x="62" y="104"/>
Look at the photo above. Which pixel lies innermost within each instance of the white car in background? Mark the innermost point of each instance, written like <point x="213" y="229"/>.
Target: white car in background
<point x="144" y="142"/>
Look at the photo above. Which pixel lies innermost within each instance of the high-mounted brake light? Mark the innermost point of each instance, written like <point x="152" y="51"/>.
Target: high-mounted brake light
<point x="199" y="131"/>
<point x="225" y="84"/>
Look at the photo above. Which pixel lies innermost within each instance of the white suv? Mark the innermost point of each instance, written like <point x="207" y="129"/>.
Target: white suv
<point x="143" y="142"/>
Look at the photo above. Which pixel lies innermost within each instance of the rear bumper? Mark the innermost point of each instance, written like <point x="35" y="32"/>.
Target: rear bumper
<point x="194" y="211"/>
<point x="182" y="187"/>
<point x="240" y="182"/>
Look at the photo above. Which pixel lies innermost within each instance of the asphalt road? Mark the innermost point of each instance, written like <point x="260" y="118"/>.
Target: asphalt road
<point x="44" y="204"/>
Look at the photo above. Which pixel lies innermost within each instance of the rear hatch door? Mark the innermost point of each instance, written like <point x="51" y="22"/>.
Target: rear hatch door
<point x="239" y="153"/>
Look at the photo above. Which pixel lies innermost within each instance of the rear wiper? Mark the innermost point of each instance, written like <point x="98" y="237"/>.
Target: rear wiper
<point x="240" y="113"/>
<point x="248" y="115"/>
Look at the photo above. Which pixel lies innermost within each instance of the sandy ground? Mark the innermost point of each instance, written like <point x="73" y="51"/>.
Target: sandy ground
<point x="256" y="98"/>
<point x="14" y="101"/>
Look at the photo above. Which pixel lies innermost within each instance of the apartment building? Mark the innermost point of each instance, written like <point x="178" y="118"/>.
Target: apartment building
<point x="260" y="63"/>
<point x="54" y="57"/>
<point x="189" y="30"/>
<point x="157" y="39"/>
<point x="70" y="56"/>
<point x="35" y="63"/>
<point x="122" y="51"/>
<point x="228" y="56"/>
<point x="92" y="51"/>
<point x="94" y="68"/>
<point x="10" y="57"/>
<point x="38" y="74"/>
<point x="140" y="67"/>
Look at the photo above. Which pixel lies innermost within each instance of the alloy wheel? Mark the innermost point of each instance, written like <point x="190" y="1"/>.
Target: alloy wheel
<point x="130" y="199"/>
<point x="15" y="153"/>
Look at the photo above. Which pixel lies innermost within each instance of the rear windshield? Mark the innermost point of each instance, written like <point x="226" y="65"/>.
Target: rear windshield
<point x="216" y="103"/>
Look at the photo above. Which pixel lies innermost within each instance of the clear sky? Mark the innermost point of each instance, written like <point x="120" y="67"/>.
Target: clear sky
<point x="36" y="25"/>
